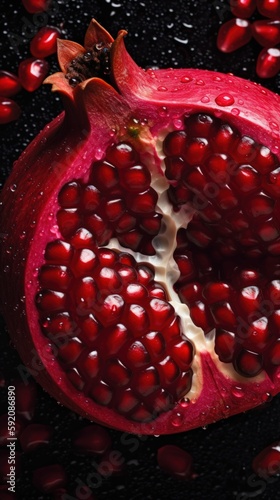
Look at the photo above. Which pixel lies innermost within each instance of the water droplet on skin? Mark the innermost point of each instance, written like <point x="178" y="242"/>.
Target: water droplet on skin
<point x="162" y="89"/>
<point x="186" y="79"/>
<point x="99" y="154"/>
<point x="217" y="79"/>
<point x="235" y="111"/>
<point x="274" y="125"/>
<point x="275" y="149"/>
<point x="224" y="100"/>
<point x="13" y="188"/>
<point x="178" y="124"/>
<point x="200" y="82"/>
<point x="163" y="111"/>
<point x="205" y="99"/>
<point x="240" y="101"/>
<point x="237" y="392"/>
<point x="177" y="420"/>
<point x="185" y="403"/>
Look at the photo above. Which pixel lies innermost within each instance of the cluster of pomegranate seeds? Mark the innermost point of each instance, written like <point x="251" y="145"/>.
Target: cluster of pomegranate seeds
<point x="118" y="202"/>
<point x="237" y="32"/>
<point x="228" y="255"/>
<point x="31" y="71"/>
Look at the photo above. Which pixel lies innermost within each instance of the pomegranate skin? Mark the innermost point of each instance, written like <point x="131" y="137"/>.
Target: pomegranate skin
<point x="96" y="111"/>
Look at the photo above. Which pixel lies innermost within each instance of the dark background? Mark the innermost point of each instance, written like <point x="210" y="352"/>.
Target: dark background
<point x="179" y="34"/>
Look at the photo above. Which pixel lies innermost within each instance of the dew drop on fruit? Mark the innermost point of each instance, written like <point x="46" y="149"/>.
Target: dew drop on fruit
<point x="163" y="111"/>
<point x="237" y="392"/>
<point x="186" y="79"/>
<point x="13" y="188"/>
<point x="205" y="99"/>
<point x="177" y="123"/>
<point x="235" y="111"/>
<point x="177" y="420"/>
<point x="224" y="99"/>
<point x="200" y="82"/>
<point x="161" y="88"/>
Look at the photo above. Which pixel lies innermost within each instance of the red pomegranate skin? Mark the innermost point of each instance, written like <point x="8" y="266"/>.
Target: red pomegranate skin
<point x="138" y="107"/>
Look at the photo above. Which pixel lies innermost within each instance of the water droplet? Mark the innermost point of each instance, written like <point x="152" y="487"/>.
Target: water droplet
<point x="161" y="88"/>
<point x="186" y="79"/>
<point x="163" y="111"/>
<point x="274" y="125"/>
<point x="240" y="101"/>
<point x="178" y="124"/>
<point x="237" y="392"/>
<point x="235" y="111"/>
<point x="13" y="188"/>
<point x="200" y="82"/>
<point x="177" y="420"/>
<point x="205" y="99"/>
<point x="224" y="99"/>
<point x="217" y="79"/>
<point x="185" y="403"/>
<point x="99" y="154"/>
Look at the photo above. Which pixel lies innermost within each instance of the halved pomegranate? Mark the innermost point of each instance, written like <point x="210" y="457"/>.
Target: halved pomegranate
<point x="141" y="243"/>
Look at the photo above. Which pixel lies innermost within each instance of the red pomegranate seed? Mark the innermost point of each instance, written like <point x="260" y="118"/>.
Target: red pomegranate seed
<point x="92" y="439"/>
<point x="268" y="63"/>
<point x="44" y="42"/>
<point x="32" y="72"/>
<point x="9" y="110"/>
<point x="175" y="462"/>
<point x="267" y="33"/>
<point x="242" y="8"/>
<point x="34" y="6"/>
<point x="248" y="363"/>
<point x="9" y="84"/>
<point x="234" y="34"/>
<point x="267" y="463"/>
<point x="122" y="155"/>
<point x="49" y="478"/>
<point x="269" y="8"/>
<point x="58" y="252"/>
<point x="34" y="436"/>
<point x="225" y="345"/>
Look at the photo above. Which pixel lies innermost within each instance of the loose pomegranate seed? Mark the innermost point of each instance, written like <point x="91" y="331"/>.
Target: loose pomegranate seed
<point x="9" y="110"/>
<point x="34" y="6"/>
<point x="92" y="439"/>
<point x="268" y="63"/>
<point x="267" y="463"/>
<point x="32" y="72"/>
<point x="9" y="84"/>
<point x="234" y="34"/>
<point x="242" y="8"/>
<point x="49" y="478"/>
<point x="44" y="42"/>
<point x="34" y="436"/>
<point x="267" y="33"/>
<point x="175" y="462"/>
<point x="269" y="8"/>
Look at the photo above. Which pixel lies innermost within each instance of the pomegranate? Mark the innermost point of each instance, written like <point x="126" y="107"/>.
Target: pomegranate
<point x="141" y="243"/>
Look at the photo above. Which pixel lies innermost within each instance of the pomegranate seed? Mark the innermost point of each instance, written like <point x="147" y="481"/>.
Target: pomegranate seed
<point x="32" y="72"/>
<point x="225" y="345"/>
<point x="175" y="461"/>
<point x="58" y="252"/>
<point x="242" y="8"/>
<point x="248" y="363"/>
<point x="34" y="436"/>
<point x="175" y="143"/>
<point x="234" y="34"/>
<point x="122" y="155"/>
<point x="34" y="6"/>
<point x="44" y="42"/>
<point x="267" y="33"/>
<point x="268" y="63"/>
<point x="9" y="84"/>
<point x="92" y="439"/>
<point x="269" y="8"/>
<point x="9" y="110"/>
<point x="49" y="478"/>
<point x="267" y="463"/>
